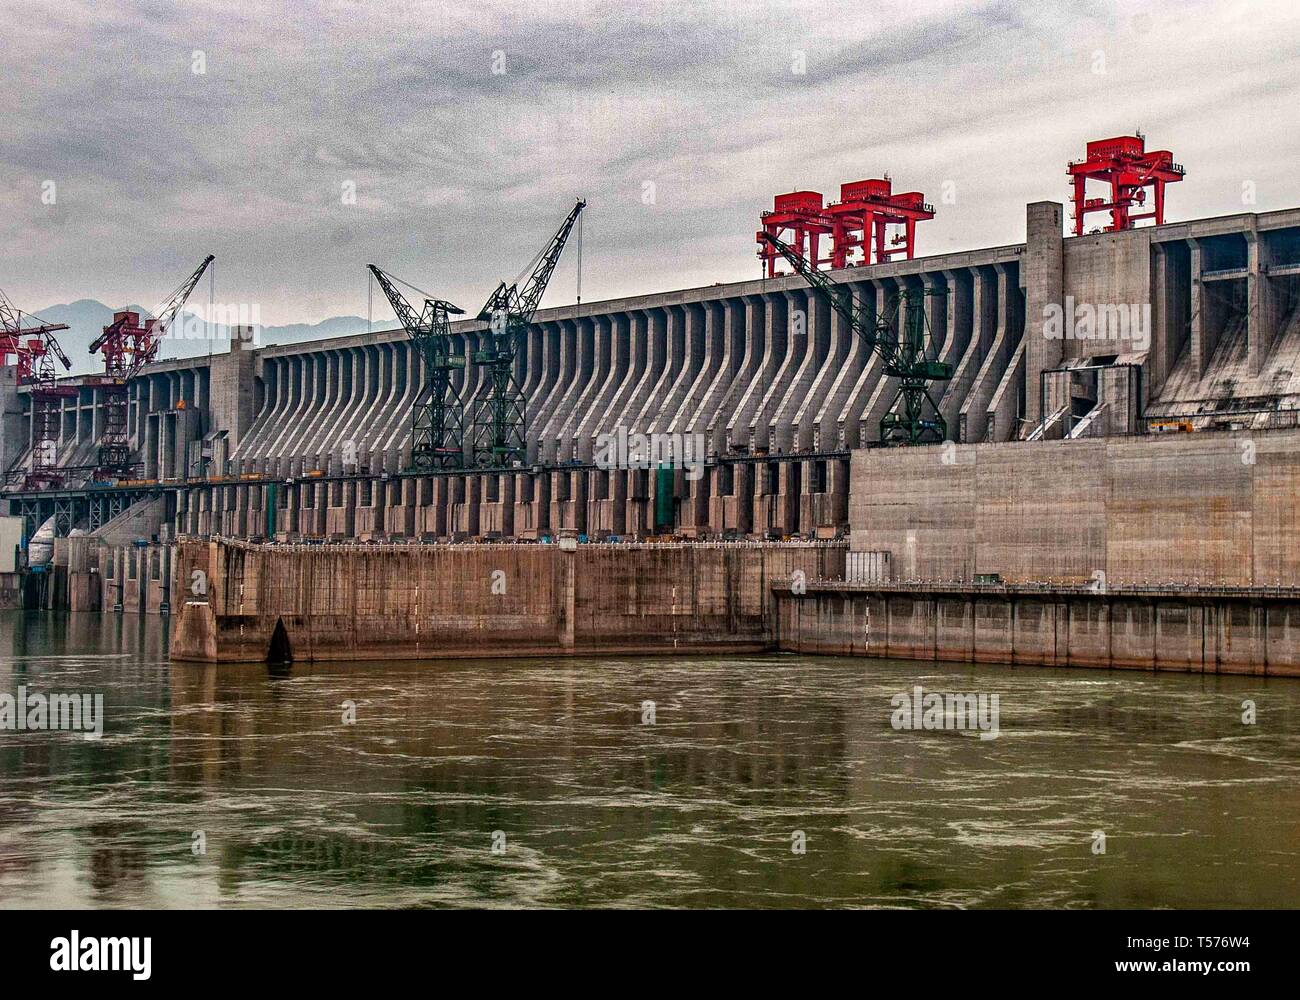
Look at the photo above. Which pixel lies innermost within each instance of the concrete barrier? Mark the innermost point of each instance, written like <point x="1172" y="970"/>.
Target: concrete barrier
<point x="431" y="601"/>
<point x="1217" y="631"/>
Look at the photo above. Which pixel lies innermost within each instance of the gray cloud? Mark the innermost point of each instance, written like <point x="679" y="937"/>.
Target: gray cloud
<point x="461" y="173"/>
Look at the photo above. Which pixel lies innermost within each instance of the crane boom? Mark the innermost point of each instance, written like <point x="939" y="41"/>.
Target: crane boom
<point x="499" y="418"/>
<point x="40" y="339"/>
<point x="428" y="318"/>
<point x="913" y="418"/>
<point x="128" y="344"/>
<point x="146" y="338"/>
<point x="437" y="416"/>
<point x="159" y="327"/>
<point x="109" y="332"/>
<point x="520" y="305"/>
<point x="32" y="347"/>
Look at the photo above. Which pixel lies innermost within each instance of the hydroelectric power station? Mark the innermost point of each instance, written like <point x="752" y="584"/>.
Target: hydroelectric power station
<point x="1075" y="450"/>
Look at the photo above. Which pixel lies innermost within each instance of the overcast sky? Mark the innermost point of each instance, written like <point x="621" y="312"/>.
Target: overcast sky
<point x="170" y="131"/>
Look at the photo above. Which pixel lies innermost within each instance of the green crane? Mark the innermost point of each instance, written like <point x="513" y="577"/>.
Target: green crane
<point x="913" y="418"/>
<point x="437" y="417"/>
<point x="499" y="418"/>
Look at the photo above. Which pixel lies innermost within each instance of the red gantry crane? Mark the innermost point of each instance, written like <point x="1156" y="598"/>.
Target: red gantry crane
<point x="866" y="214"/>
<point x="128" y="344"/>
<point x="34" y="349"/>
<point x="870" y="224"/>
<point x="1129" y="169"/>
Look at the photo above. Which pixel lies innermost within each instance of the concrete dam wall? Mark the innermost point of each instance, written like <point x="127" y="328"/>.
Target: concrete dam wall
<point x="1062" y="472"/>
<point x="427" y="602"/>
<point x="1208" y="509"/>
<point x="277" y="603"/>
<point x="1166" y="553"/>
<point x="1202" y="630"/>
<point x="312" y="440"/>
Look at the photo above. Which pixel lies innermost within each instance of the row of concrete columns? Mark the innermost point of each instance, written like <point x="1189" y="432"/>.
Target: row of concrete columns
<point x="758" y="499"/>
<point x="770" y="372"/>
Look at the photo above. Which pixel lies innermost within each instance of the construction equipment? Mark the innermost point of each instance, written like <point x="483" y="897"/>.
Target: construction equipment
<point x="865" y="214"/>
<point x="34" y="348"/>
<point x="857" y="226"/>
<point x="1125" y="164"/>
<point x="498" y="415"/>
<point x="913" y="418"/>
<point x="128" y="344"/>
<point x="437" y="417"/>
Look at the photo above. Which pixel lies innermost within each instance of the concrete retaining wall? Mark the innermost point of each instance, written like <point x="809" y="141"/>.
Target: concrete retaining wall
<point x="1212" y="509"/>
<point x="1201" y="633"/>
<point x="417" y="602"/>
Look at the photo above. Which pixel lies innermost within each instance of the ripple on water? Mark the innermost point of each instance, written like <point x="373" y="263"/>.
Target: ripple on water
<point x="763" y="781"/>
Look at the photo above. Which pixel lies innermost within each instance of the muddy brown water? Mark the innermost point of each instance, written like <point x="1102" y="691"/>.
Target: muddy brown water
<point x="634" y="782"/>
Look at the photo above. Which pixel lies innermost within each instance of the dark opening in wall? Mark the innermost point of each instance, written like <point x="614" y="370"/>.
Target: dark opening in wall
<point x="1223" y="253"/>
<point x="279" y="651"/>
<point x="818" y="483"/>
<point x="1177" y="301"/>
<point x="1225" y="310"/>
<point x="1283" y="247"/>
<point x="1287" y="292"/>
<point x="727" y="480"/>
<point x="1017" y="302"/>
<point x="772" y="479"/>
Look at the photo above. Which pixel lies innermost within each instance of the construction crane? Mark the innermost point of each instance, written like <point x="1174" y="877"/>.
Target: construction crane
<point x="34" y="349"/>
<point x="437" y="417"/>
<point x="913" y="418"/>
<point x="499" y="418"/>
<point x="128" y="344"/>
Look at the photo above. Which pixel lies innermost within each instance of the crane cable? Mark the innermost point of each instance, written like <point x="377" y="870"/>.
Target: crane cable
<point x="579" y="249"/>
<point x="414" y="288"/>
<point x="212" y="307"/>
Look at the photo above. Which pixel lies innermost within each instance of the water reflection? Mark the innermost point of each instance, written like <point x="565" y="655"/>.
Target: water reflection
<point x="598" y="809"/>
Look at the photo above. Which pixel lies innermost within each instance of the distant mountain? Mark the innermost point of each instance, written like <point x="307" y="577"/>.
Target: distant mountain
<point x="335" y="326"/>
<point x="86" y="319"/>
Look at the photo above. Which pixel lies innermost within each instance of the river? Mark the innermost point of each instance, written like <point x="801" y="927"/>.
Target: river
<point x="755" y="781"/>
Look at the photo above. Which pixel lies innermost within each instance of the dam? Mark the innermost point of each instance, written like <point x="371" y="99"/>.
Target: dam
<point x="1121" y="418"/>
